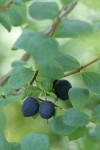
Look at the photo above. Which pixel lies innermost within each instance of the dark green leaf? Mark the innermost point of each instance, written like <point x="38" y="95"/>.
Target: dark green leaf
<point x="2" y="120"/>
<point x="5" y="20"/>
<point x="58" y="127"/>
<point x="35" y="142"/>
<point x="92" y="81"/>
<point x="79" y="97"/>
<point x="43" y="10"/>
<point x="67" y="1"/>
<point x="75" y="117"/>
<point x="19" y="77"/>
<point x="80" y="132"/>
<point x="14" y="146"/>
<point x="96" y="113"/>
<point x="3" y="143"/>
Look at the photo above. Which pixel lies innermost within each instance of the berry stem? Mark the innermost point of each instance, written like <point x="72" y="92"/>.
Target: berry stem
<point x="82" y="67"/>
<point x="60" y="107"/>
<point x="34" y="77"/>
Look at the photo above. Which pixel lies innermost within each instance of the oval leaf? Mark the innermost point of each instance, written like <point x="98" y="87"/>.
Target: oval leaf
<point x="60" y="128"/>
<point x="75" y="118"/>
<point x="35" y="142"/>
<point x="19" y="77"/>
<point x="96" y="113"/>
<point x="92" y="81"/>
<point x="79" y="97"/>
<point x="43" y="10"/>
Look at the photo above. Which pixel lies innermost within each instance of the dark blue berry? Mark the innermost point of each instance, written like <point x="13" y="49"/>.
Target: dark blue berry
<point x="46" y="109"/>
<point x="30" y="107"/>
<point x="61" y="88"/>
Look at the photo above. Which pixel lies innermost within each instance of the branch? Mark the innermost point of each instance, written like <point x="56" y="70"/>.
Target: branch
<point x="48" y="31"/>
<point x="82" y="67"/>
<point x="65" y="11"/>
<point x="6" y="6"/>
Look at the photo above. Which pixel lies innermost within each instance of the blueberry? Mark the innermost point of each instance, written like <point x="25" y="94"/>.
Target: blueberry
<point x="30" y="107"/>
<point x="61" y="88"/>
<point x="46" y="109"/>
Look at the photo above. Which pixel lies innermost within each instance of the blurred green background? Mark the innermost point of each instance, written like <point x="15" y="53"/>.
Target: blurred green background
<point x="83" y="50"/>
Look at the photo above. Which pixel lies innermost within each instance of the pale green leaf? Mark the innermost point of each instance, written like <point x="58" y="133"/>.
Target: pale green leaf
<point x="43" y="10"/>
<point x="75" y="118"/>
<point x="35" y="142"/>
<point x="20" y="77"/>
<point x="72" y="28"/>
<point x="41" y="47"/>
<point x="60" y="128"/>
<point x="79" y="97"/>
<point x="92" y="81"/>
<point x="68" y="62"/>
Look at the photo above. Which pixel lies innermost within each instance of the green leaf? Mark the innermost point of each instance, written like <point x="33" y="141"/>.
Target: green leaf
<point x="80" y="132"/>
<point x="68" y="62"/>
<point x="2" y="120"/>
<point x="72" y="28"/>
<point x="94" y="4"/>
<point x="96" y="113"/>
<point x="3" y="143"/>
<point x="5" y="20"/>
<point x="12" y="98"/>
<point x="92" y="81"/>
<point x="79" y="97"/>
<point x="75" y="118"/>
<point x="35" y="142"/>
<point x="17" y="2"/>
<point x="47" y="84"/>
<point x="52" y="70"/>
<point x="94" y="133"/>
<point x="14" y="146"/>
<point x="42" y="47"/>
<point x="20" y="77"/>
<point x="18" y="63"/>
<point x="58" y="127"/>
<point x="3" y="2"/>
<point x="17" y="14"/>
<point x="67" y="1"/>
<point x="43" y="10"/>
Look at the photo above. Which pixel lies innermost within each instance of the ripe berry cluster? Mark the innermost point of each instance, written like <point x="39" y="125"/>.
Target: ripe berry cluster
<point x="31" y="106"/>
<point x="46" y="109"/>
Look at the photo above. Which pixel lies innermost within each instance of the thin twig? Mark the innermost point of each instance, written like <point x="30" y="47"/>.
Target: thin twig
<point x="82" y="67"/>
<point x="60" y="107"/>
<point x="34" y="77"/>
<point x="6" y="6"/>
